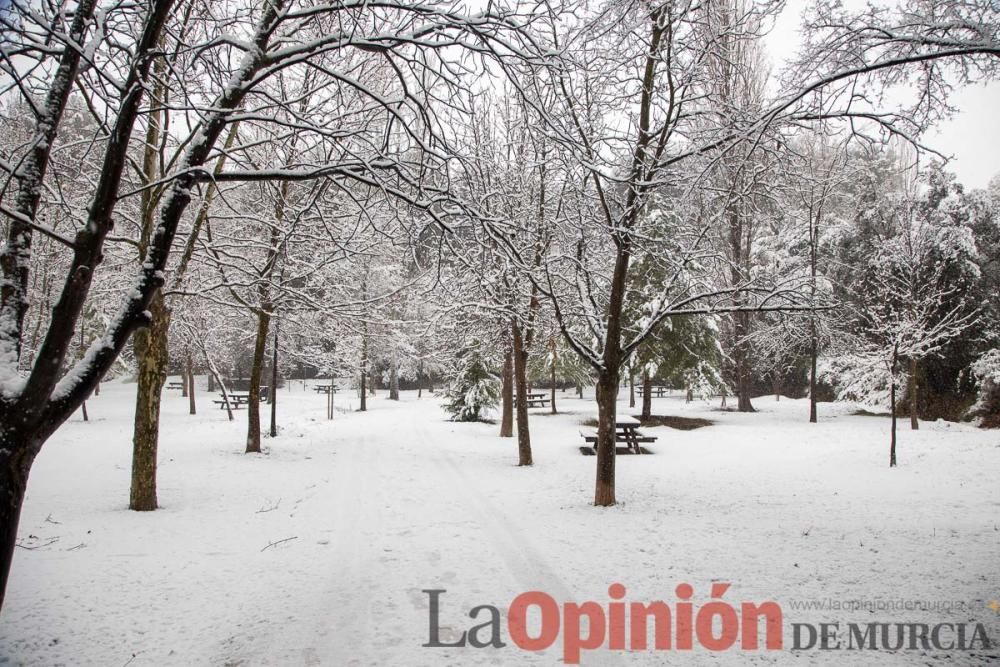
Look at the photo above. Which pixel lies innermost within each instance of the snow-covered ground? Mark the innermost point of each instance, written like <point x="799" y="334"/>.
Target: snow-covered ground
<point x="375" y="507"/>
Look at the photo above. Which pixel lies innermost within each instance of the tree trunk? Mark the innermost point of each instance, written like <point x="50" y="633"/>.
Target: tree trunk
<point x="813" y="353"/>
<point x="607" y="396"/>
<point x="507" y="397"/>
<point x="192" y="407"/>
<point x="15" y="462"/>
<point x="393" y="382"/>
<point x="892" y="411"/>
<point x="631" y="387"/>
<point x="364" y="374"/>
<point x="253" y="405"/>
<point x="521" y="384"/>
<point x="211" y="382"/>
<point x="553" y="376"/>
<point x="150" y="345"/>
<point x="741" y="357"/>
<point x="647" y="395"/>
<point x="272" y="392"/>
<point x="914" y="383"/>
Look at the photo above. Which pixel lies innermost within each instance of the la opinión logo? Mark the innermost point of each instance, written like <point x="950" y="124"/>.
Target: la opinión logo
<point x="716" y="625"/>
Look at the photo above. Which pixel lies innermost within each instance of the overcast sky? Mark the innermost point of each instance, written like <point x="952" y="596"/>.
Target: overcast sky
<point x="971" y="139"/>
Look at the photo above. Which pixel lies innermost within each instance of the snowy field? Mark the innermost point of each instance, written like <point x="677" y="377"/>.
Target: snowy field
<point x="375" y="507"/>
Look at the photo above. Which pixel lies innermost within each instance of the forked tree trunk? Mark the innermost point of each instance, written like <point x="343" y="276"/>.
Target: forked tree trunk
<point x="521" y="403"/>
<point x="914" y="384"/>
<point x="507" y="397"/>
<point x="253" y="405"/>
<point x="192" y="407"/>
<point x="647" y="395"/>
<point x="150" y="346"/>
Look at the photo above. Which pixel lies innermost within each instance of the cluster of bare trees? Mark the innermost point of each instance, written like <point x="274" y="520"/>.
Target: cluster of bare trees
<point x="176" y="170"/>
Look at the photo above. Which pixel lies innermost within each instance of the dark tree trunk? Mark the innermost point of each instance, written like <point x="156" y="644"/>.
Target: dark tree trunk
<point x="631" y="387"/>
<point x="914" y="384"/>
<point x="647" y="395"/>
<point x="607" y="397"/>
<point x="211" y="382"/>
<point x="553" y="376"/>
<point x="364" y="374"/>
<point x="253" y="406"/>
<point x="507" y="397"/>
<point x="521" y="403"/>
<point x="892" y="411"/>
<point x="813" y="354"/>
<point x="15" y="462"/>
<point x="184" y="385"/>
<point x="742" y="359"/>
<point x="192" y="407"/>
<point x="150" y="345"/>
<point x="272" y="392"/>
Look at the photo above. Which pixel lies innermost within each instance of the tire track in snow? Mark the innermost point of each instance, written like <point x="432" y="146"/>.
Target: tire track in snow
<point x="524" y="561"/>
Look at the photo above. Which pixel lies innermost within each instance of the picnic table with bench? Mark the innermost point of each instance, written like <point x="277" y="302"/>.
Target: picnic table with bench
<point x="627" y="431"/>
<point x="238" y="398"/>
<point x="654" y="391"/>
<point x="536" y="399"/>
<point x="325" y="388"/>
<point x="175" y="385"/>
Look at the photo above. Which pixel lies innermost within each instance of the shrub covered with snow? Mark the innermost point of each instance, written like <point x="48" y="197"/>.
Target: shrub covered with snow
<point x="473" y="389"/>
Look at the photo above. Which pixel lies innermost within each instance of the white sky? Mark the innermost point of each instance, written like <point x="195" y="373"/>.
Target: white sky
<point x="971" y="138"/>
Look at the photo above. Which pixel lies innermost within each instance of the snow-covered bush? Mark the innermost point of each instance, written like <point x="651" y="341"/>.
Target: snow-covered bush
<point x="986" y="370"/>
<point x="474" y="389"/>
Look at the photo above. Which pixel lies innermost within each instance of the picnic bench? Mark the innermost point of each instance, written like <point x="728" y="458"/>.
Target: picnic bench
<point x="536" y="399"/>
<point x="238" y="398"/>
<point x="659" y="392"/>
<point x="175" y="385"/>
<point x="627" y="431"/>
<point x="325" y="388"/>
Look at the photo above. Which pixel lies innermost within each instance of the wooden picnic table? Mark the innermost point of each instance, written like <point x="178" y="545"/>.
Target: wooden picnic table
<point x="175" y="385"/>
<point x="627" y="431"/>
<point x="238" y="398"/>
<point x="325" y="388"/>
<point x="536" y="399"/>
<point x="654" y="391"/>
